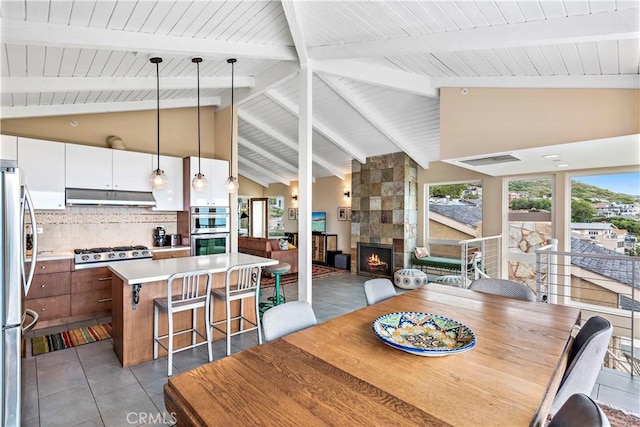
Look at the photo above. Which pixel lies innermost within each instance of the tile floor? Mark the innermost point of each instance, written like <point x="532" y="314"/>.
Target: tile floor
<point x="86" y="386"/>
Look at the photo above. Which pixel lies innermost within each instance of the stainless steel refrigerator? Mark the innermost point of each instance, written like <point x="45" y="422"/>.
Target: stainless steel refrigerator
<point x="15" y="204"/>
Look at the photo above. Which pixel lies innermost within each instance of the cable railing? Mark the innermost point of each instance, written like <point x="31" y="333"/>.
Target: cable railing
<point x="601" y="284"/>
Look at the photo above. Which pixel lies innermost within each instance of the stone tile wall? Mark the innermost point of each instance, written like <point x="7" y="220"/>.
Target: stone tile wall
<point x="384" y="207"/>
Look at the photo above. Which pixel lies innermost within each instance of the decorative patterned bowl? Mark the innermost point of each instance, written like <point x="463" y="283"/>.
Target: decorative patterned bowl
<point x="424" y="334"/>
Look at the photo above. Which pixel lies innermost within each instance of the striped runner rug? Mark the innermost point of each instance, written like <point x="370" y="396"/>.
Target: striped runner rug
<point x="67" y="339"/>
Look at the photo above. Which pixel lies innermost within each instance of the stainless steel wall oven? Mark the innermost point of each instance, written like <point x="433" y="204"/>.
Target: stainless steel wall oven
<point x="210" y="227"/>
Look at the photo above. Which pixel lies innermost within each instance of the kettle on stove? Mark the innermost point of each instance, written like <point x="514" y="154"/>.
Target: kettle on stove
<point x="159" y="236"/>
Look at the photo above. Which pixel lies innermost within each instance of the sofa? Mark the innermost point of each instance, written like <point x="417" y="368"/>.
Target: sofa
<point x="268" y="248"/>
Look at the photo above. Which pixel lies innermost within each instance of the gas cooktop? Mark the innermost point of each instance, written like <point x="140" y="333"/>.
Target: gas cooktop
<point x="117" y="253"/>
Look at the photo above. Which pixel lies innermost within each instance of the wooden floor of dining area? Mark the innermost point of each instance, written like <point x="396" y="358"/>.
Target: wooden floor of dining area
<point x="86" y="385"/>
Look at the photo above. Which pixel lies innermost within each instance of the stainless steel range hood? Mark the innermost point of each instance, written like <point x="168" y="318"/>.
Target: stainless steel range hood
<point x="82" y="196"/>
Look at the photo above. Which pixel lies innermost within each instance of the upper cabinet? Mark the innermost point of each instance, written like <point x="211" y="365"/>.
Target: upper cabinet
<point x="107" y="169"/>
<point x="216" y="172"/>
<point x="43" y="164"/>
<point x="169" y="198"/>
<point x="8" y="147"/>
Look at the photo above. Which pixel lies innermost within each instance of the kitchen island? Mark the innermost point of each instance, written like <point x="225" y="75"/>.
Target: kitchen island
<point x="136" y="285"/>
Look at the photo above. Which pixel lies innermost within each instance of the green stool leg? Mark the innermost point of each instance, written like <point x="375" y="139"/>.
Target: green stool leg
<point x="277" y="286"/>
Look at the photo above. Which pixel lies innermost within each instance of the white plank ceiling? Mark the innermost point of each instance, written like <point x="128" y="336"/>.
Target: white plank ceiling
<point x="378" y="65"/>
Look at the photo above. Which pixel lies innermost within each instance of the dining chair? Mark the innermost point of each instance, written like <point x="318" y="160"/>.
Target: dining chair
<point x="579" y="411"/>
<point x="287" y="318"/>
<point x="376" y="290"/>
<point x="502" y="287"/>
<point x="241" y="282"/>
<point x="192" y="296"/>
<point x="584" y="361"/>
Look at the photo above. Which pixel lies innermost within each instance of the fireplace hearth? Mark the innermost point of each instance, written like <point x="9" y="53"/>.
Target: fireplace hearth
<point x="375" y="259"/>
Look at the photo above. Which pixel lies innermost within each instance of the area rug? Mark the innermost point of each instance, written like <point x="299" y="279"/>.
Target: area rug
<point x="67" y="339"/>
<point x="317" y="271"/>
<point x="619" y="417"/>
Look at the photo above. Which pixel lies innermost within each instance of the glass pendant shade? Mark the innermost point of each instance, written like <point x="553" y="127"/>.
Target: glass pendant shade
<point x="232" y="185"/>
<point x="199" y="182"/>
<point x="158" y="179"/>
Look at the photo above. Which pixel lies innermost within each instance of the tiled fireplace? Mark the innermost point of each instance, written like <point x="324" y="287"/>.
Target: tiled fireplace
<point x="384" y="207"/>
<point x="375" y="260"/>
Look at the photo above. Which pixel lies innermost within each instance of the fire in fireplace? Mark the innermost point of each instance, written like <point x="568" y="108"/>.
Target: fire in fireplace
<point x="375" y="259"/>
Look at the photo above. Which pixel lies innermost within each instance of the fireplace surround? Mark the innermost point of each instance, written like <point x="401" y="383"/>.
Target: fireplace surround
<point x="375" y="259"/>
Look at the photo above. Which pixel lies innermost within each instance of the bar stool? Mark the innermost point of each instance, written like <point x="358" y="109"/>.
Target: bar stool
<point x="241" y="282"/>
<point x="276" y="271"/>
<point x="192" y="297"/>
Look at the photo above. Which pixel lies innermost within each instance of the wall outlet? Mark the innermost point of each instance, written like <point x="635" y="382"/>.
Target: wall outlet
<point x="40" y="230"/>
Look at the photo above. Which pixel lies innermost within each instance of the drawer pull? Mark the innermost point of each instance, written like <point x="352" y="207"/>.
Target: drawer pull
<point x="42" y="286"/>
<point x="105" y="300"/>
<point x="102" y="279"/>
<point x="42" y="267"/>
<point x="42" y="309"/>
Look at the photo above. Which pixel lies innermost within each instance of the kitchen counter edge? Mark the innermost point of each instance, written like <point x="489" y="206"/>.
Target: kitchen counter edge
<point x="146" y="271"/>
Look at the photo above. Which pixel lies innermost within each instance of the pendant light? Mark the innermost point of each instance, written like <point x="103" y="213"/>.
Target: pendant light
<point x="199" y="182"/>
<point x="232" y="182"/>
<point x="158" y="178"/>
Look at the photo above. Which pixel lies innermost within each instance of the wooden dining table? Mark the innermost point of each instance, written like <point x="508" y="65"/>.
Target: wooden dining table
<point x="340" y="373"/>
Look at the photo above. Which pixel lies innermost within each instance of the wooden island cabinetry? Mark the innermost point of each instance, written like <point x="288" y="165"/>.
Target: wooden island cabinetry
<point x="172" y="253"/>
<point x="91" y="292"/>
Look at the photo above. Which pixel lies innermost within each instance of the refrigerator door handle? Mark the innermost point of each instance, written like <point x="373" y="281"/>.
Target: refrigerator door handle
<point x="28" y="203"/>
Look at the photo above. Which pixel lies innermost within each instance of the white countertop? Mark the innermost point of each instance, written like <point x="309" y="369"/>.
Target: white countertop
<point x="145" y="271"/>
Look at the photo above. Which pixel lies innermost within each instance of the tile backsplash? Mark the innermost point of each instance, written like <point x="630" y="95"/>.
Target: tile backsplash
<point x="90" y="227"/>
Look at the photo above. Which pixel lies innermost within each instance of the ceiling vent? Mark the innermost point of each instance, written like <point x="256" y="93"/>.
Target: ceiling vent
<point x="491" y="160"/>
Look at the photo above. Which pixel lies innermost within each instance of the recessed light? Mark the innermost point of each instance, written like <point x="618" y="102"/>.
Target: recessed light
<point x="73" y="123"/>
<point x="562" y="165"/>
<point x="551" y="156"/>
<point x="464" y="91"/>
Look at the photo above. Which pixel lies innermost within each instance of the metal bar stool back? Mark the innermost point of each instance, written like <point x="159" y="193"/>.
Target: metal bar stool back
<point x="193" y="295"/>
<point x="241" y="282"/>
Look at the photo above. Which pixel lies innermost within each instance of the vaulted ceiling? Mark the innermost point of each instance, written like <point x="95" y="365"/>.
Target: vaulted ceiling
<point x="377" y="65"/>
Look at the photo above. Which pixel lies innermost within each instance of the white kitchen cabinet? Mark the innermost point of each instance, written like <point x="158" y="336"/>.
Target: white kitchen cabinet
<point x="106" y="169"/>
<point x="131" y="171"/>
<point x="8" y="147"/>
<point x="88" y="167"/>
<point x="43" y="165"/>
<point x="170" y="197"/>
<point x="216" y="172"/>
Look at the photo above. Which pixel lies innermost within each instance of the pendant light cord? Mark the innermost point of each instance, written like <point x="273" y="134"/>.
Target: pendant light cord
<point x="231" y="138"/>
<point x="198" y="67"/>
<point x="158" y="109"/>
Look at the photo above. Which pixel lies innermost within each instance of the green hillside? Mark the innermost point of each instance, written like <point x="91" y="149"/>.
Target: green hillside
<point x="579" y="190"/>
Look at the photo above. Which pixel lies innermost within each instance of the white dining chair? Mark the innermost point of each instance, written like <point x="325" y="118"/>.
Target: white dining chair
<point x="376" y="290"/>
<point x="287" y="318"/>
<point x="503" y="287"/>
<point x="241" y="282"/>
<point x="585" y="360"/>
<point x="191" y="296"/>
<point x="579" y="411"/>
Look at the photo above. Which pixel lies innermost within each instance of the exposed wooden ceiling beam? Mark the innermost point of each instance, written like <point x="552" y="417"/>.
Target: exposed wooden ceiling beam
<point x="550" y="82"/>
<point x="379" y="76"/>
<point x="263" y="171"/>
<point x="376" y="119"/>
<point x="81" y="84"/>
<point x="283" y="139"/>
<point x="254" y="178"/>
<point x="101" y="107"/>
<point x="292" y="13"/>
<point x="43" y="34"/>
<point x="319" y="127"/>
<point x="617" y="25"/>
<point x="271" y="77"/>
<point x="264" y="153"/>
